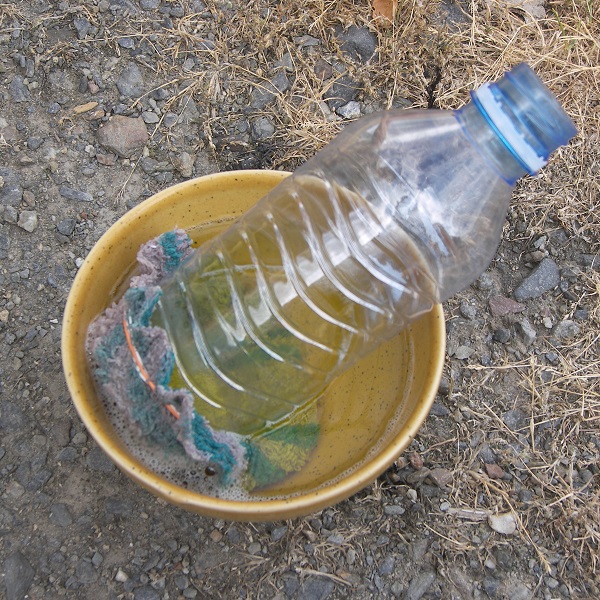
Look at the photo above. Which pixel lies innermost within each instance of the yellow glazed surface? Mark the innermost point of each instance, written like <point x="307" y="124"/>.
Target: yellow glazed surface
<point x="377" y="378"/>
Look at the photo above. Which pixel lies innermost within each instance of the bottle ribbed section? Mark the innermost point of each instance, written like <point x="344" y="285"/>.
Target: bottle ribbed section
<point x="263" y="317"/>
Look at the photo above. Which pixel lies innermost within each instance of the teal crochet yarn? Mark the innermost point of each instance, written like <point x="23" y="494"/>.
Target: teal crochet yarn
<point x="132" y="362"/>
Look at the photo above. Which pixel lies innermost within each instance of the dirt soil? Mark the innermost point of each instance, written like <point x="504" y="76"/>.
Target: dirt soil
<point x="498" y="497"/>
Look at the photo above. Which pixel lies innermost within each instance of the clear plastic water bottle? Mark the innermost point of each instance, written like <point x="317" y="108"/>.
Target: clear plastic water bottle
<point x="401" y="211"/>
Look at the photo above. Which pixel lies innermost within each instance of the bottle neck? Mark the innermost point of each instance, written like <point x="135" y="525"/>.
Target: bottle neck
<point x="490" y="143"/>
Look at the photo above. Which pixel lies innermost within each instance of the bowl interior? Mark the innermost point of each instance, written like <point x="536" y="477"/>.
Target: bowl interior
<point x="400" y="379"/>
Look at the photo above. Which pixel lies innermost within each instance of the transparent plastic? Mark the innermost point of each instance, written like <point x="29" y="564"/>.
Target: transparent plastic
<point x="401" y="211"/>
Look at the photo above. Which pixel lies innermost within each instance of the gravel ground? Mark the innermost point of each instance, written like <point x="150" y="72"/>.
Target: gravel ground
<point x="102" y="105"/>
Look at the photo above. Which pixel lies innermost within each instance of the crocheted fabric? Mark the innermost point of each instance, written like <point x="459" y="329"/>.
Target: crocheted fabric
<point x="132" y="363"/>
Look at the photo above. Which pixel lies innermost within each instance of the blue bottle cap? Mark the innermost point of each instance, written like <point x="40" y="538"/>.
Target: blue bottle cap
<point x="526" y="116"/>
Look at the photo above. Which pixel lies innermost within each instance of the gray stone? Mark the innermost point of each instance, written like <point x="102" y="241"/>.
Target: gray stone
<point x="266" y="92"/>
<point x="278" y="533"/>
<point x="126" y="42"/>
<point x="182" y="582"/>
<point x="97" y="460"/>
<point x="286" y="62"/>
<point x="33" y="143"/>
<point x="486" y="454"/>
<point x="358" y="43"/>
<point x="68" y="454"/>
<point x="28" y="220"/>
<point x="150" y="117"/>
<point x="11" y="192"/>
<point x="589" y="260"/>
<point x="39" y="479"/>
<point x="350" y="110"/>
<point x="527" y="331"/>
<point x="306" y="41"/>
<point x="387" y="566"/>
<point x="501" y="335"/>
<point x="336" y="539"/>
<point x="420" y="584"/>
<point x="66" y="226"/>
<point x="543" y="278"/>
<point x="131" y="81"/>
<point x="438" y="410"/>
<point x="184" y="163"/>
<point x="343" y="90"/>
<point x="4" y="247"/>
<point x="170" y="119"/>
<point x="315" y="588"/>
<point x="82" y="26"/>
<point x="566" y="329"/>
<point x="12" y="417"/>
<point x="124" y="136"/>
<point x="463" y="352"/>
<point x="118" y="507"/>
<point x="490" y="586"/>
<point x="18" y="575"/>
<point x="60" y="515"/>
<point x="517" y="590"/>
<point x="149" y="4"/>
<point x="18" y="90"/>
<point x="394" y="510"/>
<point x="468" y="311"/>
<point x="86" y="572"/>
<point x="146" y="592"/>
<point x="254" y="548"/>
<point x="190" y="113"/>
<point x="291" y="583"/>
<point x="11" y="214"/>
<point x="262" y="128"/>
<point x="514" y="419"/>
<point x="72" y="194"/>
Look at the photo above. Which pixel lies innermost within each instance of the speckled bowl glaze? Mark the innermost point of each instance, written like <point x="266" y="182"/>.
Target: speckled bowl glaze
<point x="222" y="198"/>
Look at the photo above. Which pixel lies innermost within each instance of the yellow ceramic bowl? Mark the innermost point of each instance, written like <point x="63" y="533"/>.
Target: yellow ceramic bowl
<point x="379" y="380"/>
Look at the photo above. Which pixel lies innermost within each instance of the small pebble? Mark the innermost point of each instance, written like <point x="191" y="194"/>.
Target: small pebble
<point x="494" y="471"/>
<point x="501" y="335"/>
<point x="566" y="329"/>
<point x="415" y="460"/>
<point x="394" y="510"/>
<point x="278" y="533"/>
<point x="60" y="515"/>
<point x="463" y="352"/>
<point x="72" y="194"/>
<point x="349" y="111"/>
<point x="66" y="226"/>
<point x="504" y="523"/>
<point x="28" y="220"/>
<point x="150" y="117"/>
<point x="440" y="477"/>
<point x="215" y="535"/>
<point x="469" y="311"/>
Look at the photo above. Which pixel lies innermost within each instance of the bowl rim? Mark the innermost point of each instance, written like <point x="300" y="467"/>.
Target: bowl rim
<point x="238" y="510"/>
